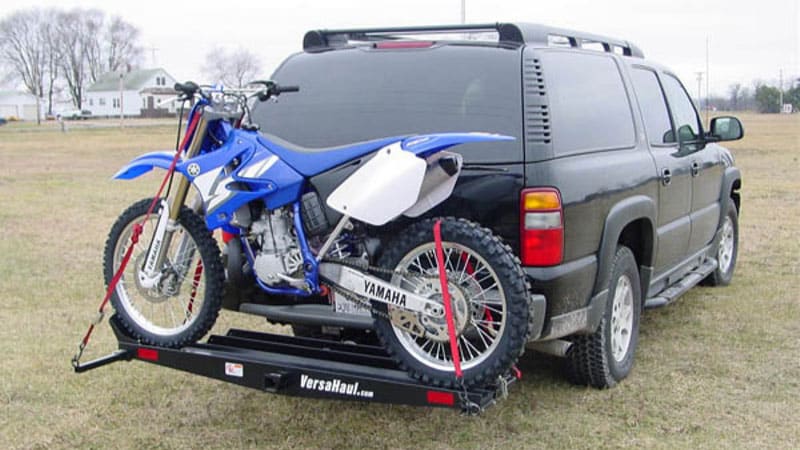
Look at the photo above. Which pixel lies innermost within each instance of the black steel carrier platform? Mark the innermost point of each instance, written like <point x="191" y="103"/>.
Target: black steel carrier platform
<point x="303" y="367"/>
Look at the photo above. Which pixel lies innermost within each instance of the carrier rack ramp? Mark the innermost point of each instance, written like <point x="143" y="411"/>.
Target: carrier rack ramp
<point x="303" y="367"/>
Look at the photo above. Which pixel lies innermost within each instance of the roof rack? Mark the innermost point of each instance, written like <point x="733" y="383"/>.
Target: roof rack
<point x="518" y="33"/>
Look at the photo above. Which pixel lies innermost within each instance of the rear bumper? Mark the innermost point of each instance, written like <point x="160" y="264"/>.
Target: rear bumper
<point x="538" y="308"/>
<point x="570" y="306"/>
<point x="581" y="321"/>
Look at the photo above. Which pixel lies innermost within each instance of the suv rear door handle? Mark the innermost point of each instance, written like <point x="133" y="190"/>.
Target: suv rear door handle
<point x="695" y="168"/>
<point x="666" y="176"/>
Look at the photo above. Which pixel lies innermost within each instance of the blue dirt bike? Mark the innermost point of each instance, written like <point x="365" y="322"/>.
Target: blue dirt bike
<point x="449" y="299"/>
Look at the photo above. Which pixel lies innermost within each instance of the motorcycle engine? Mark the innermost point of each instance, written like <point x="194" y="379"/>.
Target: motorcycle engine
<point x="278" y="257"/>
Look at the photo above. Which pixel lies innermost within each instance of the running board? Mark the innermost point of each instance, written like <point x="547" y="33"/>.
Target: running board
<point x="308" y="315"/>
<point x="304" y="367"/>
<point x="680" y="287"/>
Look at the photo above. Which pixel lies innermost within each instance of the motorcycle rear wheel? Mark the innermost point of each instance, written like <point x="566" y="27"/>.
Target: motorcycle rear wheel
<point x="489" y="293"/>
<point x="185" y="303"/>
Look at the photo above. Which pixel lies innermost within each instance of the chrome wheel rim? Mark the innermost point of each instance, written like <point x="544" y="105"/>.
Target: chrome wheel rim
<point x="726" y="245"/>
<point x="622" y="318"/>
<point x="471" y="282"/>
<point x="172" y="306"/>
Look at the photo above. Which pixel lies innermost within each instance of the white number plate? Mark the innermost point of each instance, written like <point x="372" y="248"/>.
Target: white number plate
<point x="345" y="306"/>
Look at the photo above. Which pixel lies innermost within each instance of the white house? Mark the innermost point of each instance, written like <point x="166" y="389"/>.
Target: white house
<point x="131" y="93"/>
<point x="18" y="104"/>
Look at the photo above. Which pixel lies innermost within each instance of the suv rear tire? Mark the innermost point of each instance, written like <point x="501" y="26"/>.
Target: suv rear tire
<point x="605" y="357"/>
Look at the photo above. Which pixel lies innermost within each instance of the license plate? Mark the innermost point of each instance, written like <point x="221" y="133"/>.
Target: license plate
<point x="344" y="306"/>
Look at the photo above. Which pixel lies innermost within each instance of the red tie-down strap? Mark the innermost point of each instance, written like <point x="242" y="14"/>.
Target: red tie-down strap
<point x="137" y="231"/>
<point x="448" y="306"/>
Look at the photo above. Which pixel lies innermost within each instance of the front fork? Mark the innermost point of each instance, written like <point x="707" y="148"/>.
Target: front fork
<point x="168" y="216"/>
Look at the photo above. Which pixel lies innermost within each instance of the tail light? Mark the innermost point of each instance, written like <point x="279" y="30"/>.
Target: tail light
<point x="541" y="227"/>
<point x="395" y="45"/>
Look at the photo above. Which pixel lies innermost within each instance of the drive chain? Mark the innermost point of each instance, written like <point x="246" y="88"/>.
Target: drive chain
<point x="363" y="266"/>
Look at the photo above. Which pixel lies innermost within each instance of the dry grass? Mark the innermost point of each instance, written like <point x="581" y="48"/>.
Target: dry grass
<point x="721" y="368"/>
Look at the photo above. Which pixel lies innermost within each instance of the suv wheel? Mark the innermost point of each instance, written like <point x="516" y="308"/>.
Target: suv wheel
<point x="727" y="247"/>
<point x="605" y="357"/>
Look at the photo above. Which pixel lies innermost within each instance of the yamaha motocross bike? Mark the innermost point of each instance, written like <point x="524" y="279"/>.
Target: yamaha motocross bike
<point x="443" y="292"/>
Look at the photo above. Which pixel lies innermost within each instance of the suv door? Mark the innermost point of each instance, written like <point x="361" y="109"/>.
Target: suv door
<point x="672" y="171"/>
<point x="704" y="162"/>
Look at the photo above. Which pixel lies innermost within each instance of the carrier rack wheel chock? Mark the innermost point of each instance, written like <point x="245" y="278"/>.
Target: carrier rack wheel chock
<point x="303" y="367"/>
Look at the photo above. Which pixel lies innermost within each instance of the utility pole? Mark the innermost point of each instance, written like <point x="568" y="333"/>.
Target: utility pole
<point x="699" y="88"/>
<point x="121" y="95"/>
<point x="153" y="51"/>
<point x="463" y="12"/>
<point x="780" y="89"/>
<point x="708" y="78"/>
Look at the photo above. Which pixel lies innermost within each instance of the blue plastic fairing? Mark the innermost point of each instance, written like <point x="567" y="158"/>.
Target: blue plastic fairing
<point x="426" y="144"/>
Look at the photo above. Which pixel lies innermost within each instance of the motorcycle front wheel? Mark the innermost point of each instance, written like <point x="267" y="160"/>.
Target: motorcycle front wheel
<point x="182" y="306"/>
<point x="489" y="299"/>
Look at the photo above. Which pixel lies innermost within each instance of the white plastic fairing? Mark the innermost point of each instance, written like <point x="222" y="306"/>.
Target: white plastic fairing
<point x="382" y="188"/>
<point x="436" y="186"/>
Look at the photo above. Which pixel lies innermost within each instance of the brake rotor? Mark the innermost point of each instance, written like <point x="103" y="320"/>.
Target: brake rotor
<point x="433" y="324"/>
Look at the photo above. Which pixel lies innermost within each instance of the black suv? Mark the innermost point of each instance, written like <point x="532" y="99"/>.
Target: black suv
<point x="614" y="196"/>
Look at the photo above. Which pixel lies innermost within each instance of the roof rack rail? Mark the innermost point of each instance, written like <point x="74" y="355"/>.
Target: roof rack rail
<point x="519" y="33"/>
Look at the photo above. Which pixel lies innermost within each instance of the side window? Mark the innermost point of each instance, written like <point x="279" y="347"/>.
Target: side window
<point x="654" y="109"/>
<point x="687" y="123"/>
<point x="588" y="102"/>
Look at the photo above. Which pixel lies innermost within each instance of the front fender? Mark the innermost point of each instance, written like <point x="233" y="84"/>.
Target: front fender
<point x="145" y="163"/>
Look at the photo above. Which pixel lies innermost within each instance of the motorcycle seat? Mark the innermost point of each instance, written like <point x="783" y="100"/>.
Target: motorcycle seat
<point x="313" y="161"/>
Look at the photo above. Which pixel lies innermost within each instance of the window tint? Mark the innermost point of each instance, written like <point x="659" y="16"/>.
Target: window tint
<point x="654" y="109"/>
<point x="589" y="105"/>
<point x="683" y="113"/>
<point x="360" y="94"/>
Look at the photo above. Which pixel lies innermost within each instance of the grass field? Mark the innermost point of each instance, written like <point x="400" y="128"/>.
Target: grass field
<point x="718" y="369"/>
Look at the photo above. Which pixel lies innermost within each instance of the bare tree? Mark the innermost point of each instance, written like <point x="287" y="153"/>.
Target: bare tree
<point x="121" y="45"/>
<point x="734" y="91"/>
<point x="24" y="51"/>
<point x="71" y="53"/>
<point x="234" y="68"/>
<point x="90" y="27"/>
<point x="110" y="46"/>
<point x="41" y="47"/>
<point x="77" y="50"/>
<point x="49" y="35"/>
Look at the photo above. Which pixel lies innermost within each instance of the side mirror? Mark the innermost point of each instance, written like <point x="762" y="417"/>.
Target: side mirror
<point x="725" y="128"/>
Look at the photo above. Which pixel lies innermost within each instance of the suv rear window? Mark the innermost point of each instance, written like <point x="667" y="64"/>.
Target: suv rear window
<point x="360" y="94"/>
<point x="588" y="103"/>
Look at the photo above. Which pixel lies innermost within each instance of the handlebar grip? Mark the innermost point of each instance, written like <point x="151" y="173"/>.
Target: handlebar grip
<point x="282" y="89"/>
<point x="188" y="88"/>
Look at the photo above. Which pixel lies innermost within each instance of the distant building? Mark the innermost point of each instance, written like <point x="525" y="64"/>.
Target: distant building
<point x="18" y="104"/>
<point x="141" y="90"/>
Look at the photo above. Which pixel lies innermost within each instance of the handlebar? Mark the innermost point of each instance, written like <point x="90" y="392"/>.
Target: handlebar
<point x="213" y="98"/>
<point x="271" y="89"/>
<point x="188" y="88"/>
<point x="282" y="89"/>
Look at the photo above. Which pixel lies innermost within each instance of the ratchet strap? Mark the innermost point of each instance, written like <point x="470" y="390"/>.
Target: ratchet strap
<point x="448" y="306"/>
<point x="137" y="231"/>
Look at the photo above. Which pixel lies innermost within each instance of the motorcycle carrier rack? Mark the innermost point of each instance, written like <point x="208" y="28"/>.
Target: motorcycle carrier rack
<point x="303" y="367"/>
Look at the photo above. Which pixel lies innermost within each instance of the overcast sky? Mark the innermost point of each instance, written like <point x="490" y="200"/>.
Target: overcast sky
<point x="748" y="39"/>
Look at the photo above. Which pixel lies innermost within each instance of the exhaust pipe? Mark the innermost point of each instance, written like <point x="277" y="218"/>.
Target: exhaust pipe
<point x="555" y="347"/>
